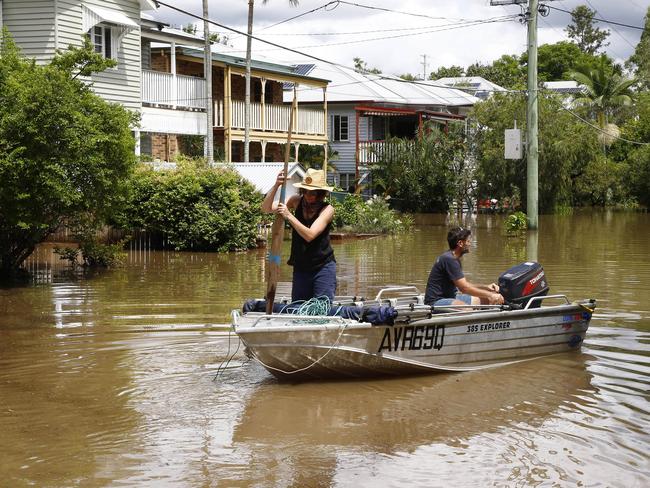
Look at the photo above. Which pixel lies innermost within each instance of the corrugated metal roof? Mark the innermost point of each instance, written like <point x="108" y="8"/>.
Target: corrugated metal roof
<point x="350" y="86"/>
<point x="474" y="82"/>
<point x="263" y="175"/>
<point x="564" y="86"/>
<point x="256" y="64"/>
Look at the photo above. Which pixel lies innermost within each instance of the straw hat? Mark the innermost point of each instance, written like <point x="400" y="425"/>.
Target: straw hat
<point x="314" y="180"/>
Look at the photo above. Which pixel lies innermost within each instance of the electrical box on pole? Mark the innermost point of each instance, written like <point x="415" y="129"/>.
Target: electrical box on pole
<point x="513" y="144"/>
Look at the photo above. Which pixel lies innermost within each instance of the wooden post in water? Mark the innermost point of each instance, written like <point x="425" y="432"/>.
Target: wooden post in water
<point x="277" y="230"/>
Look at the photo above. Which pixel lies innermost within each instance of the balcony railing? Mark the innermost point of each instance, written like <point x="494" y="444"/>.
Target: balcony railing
<point x="374" y="151"/>
<point x="272" y="118"/>
<point x="166" y="89"/>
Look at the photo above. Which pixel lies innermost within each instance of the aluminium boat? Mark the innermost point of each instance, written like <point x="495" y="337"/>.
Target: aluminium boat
<point x="397" y="334"/>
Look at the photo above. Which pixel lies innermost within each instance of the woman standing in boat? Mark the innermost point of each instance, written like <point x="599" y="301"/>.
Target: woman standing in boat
<point x="312" y="256"/>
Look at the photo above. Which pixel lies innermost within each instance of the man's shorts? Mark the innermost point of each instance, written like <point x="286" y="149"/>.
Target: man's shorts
<point x="449" y="301"/>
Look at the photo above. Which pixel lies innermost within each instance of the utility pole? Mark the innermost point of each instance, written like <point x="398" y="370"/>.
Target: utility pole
<point x="424" y="65"/>
<point x="207" y="62"/>
<point x="532" y="173"/>
<point x="532" y="153"/>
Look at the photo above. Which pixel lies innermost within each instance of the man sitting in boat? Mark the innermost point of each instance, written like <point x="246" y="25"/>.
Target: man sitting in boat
<point x="312" y="256"/>
<point x="447" y="284"/>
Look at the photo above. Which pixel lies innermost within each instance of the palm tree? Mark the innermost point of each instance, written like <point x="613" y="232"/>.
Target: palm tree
<point x="605" y="92"/>
<point x="247" y="102"/>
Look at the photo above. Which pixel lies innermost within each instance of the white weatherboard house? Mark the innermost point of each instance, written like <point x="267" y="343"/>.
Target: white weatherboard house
<point x="40" y="27"/>
<point x="365" y="109"/>
<point x="160" y="73"/>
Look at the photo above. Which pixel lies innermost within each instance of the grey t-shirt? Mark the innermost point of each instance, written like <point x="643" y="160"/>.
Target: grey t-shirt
<point x="444" y="272"/>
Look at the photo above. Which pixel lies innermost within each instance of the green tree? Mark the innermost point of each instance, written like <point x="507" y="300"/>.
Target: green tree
<point x="64" y="151"/>
<point x="637" y="156"/>
<point x="640" y="60"/>
<point x="418" y="174"/>
<point x="505" y="71"/>
<point x="362" y="67"/>
<point x="605" y="93"/>
<point x="447" y="72"/>
<point x="589" y="38"/>
<point x="408" y="77"/>
<point x="566" y="146"/>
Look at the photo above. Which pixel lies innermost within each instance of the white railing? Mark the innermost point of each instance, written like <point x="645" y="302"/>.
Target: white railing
<point x="373" y="151"/>
<point x="276" y="117"/>
<point x="369" y="151"/>
<point x="166" y="89"/>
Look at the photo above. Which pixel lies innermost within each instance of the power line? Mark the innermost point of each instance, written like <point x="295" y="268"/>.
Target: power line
<point x="279" y="46"/>
<point x="604" y="131"/>
<point x="601" y="20"/>
<point x="442" y="28"/>
<point x="370" y="7"/>
<point x="613" y="28"/>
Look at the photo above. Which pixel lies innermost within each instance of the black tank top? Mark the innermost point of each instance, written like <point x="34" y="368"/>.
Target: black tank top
<point x="310" y="256"/>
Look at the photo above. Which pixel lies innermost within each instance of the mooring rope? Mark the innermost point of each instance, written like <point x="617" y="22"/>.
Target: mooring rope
<point x="314" y="363"/>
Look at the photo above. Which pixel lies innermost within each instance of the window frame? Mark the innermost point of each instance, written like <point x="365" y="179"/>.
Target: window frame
<point x="337" y="128"/>
<point x="107" y="47"/>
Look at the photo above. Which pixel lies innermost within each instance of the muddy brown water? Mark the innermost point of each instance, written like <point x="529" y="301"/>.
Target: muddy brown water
<point x="109" y="379"/>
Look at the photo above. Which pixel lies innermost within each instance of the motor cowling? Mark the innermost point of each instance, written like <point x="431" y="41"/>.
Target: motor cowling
<point x="523" y="282"/>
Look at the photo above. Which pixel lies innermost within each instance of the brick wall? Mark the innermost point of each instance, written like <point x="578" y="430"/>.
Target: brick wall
<point x="164" y="146"/>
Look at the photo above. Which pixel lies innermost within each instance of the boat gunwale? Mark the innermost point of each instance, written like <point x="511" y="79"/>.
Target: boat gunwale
<point x="442" y="318"/>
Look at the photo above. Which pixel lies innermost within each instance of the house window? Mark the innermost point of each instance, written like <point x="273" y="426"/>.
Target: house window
<point x="340" y="128"/>
<point x="347" y="181"/>
<point x="102" y="39"/>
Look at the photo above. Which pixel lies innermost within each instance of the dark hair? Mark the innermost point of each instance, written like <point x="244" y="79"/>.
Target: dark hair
<point x="457" y="234"/>
<point x="321" y="194"/>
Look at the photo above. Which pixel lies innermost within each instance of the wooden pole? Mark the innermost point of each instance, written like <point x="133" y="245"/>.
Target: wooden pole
<point x="277" y="230"/>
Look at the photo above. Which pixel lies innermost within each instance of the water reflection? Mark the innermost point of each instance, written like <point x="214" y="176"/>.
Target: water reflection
<point x="400" y="416"/>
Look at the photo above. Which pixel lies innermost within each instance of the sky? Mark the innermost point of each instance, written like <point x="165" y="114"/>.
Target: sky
<point x="438" y="32"/>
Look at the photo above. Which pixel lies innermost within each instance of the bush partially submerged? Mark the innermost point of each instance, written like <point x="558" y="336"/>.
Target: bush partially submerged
<point x="197" y="208"/>
<point x="372" y="217"/>
<point x="516" y="223"/>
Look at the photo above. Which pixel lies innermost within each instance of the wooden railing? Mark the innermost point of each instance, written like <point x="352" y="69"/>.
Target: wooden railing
<point x="166" y="89"/>
<point x="374" y="151"/>
<point x="274" y="117"/>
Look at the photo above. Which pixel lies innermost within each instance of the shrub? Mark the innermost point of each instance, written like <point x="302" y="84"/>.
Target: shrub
<point x="199" y="208"/>
<point x="374" y="216"/>
<point x="515" y="223"/>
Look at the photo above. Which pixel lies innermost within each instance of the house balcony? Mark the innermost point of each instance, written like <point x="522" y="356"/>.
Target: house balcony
<point x="172" y="90"/>
<point x="308" y="121"/>
<point x="370" y="152"/>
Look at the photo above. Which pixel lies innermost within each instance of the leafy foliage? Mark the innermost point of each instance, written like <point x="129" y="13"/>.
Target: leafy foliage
<point x="424" y="174"/>
<point x="566" y="148"/>
<point x="589" y="38"/>
<point x="373" y="216"/>
<point x="64" y="151"/>
<point x="606" y="91"/>
<point x="640" y="60"/>
<point x="447" y="72"/>
<point x="516" y="223"/>
<point x="196" y="208"/>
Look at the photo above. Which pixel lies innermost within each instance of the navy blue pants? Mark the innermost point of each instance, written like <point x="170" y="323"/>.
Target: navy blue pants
<point x="314" y="284"/>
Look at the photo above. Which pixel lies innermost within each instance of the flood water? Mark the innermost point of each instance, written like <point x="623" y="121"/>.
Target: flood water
<point x="121" y="378"/>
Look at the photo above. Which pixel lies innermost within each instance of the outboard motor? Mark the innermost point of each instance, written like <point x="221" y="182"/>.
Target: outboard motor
<point x="523" y="282"/>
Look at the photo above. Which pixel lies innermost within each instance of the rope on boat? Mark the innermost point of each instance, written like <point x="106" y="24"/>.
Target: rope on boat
<point x="590" y="310"/>
<point x="299" y="370"/>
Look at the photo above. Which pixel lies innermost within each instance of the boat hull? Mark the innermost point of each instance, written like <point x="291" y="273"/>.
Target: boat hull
<point x="323" y="347"/>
